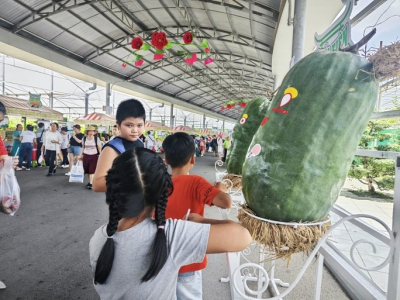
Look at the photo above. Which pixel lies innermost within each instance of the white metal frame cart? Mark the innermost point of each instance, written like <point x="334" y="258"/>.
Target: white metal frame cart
<point x="249" y="280"/>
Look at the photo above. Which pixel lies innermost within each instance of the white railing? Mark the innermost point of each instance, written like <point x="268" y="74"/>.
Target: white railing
<point x="348" y="272"/>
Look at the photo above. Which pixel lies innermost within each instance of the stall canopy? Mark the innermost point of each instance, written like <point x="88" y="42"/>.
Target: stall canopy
<point x="186" y="129"/>
<point x="96" y="119"/>
<point x="19" y="107"/>
<point x="151" y="125"/>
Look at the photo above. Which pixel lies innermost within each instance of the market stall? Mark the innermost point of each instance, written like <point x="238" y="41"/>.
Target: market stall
<point x="96" y="119"/>
<point x="186" y="129"/>
<point x="159" y="132"/>
<point x="24" y="109"/>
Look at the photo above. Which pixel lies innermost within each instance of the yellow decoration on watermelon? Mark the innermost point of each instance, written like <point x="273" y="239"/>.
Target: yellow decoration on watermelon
<point x="292" y="91"/>
<point x="245" y="116"/>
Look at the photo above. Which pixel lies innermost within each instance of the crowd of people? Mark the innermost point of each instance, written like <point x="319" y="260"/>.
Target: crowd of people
<point x="146" y="203"/>
<point x="215" y="144"/>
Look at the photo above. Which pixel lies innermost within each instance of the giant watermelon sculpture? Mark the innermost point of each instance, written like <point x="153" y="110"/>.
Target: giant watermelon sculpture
<point x="299" y="157"/>
<point x="243" y="132"/>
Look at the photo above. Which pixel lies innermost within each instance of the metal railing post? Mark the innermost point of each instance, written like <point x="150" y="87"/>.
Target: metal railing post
<point x="394" y="265"/>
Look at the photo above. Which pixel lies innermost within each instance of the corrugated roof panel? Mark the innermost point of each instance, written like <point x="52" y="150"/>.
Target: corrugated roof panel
<point x="172" y="89"/>
<point x="12" y="11"/>
<point x="45" y="30"/>
<point x="160" y="73"/>
<point x="107" y="61"/>
<point x="66" y="20"/>
<point x="85" y="12"/>
<point x="67" y="41"/>
<point x="148" y="79"/>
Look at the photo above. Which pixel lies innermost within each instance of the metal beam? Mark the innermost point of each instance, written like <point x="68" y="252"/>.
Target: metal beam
<point x="54" y="7"/>
<point x="366" y="11"/>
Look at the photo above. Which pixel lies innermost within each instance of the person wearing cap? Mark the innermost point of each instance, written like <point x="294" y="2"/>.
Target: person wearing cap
<point x="28" y="138"/>
<point x="90" y="153"/>
<point x="75" y="146"/>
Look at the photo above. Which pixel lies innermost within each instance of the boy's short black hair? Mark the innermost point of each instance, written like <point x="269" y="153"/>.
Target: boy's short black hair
<point x="40" y="125"/>
<point x="64" y="129"/>
<point x="29" y="127"/>
<point x="77" y="126"/>
<point x="178" y="149"/>
<point x="130" y="108"/>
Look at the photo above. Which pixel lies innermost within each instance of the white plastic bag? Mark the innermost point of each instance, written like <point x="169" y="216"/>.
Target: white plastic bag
<point x="41" y="159"/>
<point x="77" y="173"/>
<point x="9" y="188"/>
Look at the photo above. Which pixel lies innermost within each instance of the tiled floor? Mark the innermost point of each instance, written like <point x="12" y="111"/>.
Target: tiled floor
<point x="347" y="234"/>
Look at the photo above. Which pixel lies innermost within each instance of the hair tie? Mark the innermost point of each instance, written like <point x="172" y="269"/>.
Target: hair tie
<point x="160" y="227"/>
<point x="110" y="237"/>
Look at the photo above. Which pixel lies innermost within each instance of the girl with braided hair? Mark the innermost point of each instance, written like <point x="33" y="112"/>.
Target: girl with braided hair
<point x="135" y="256"/>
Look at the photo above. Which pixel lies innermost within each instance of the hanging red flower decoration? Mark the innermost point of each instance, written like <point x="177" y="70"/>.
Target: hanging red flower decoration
<point x="139" y="62"/>
<point x="208" y="61"/>
<point x="222" y="108"/>
<point x="187" y="37"/>
<point x="191" y="59"/>
<point x="137" y="43"/>
<point x="158" y="56"/>
<point x="124" y="65"/>
<point x="207" y="50"/>
<point x="159" y="40"/>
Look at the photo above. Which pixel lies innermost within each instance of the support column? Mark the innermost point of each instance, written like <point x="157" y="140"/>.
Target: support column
<point x="204" y="121"/>
<point x="3" y="76"/>
<point x="108" y="96"/>
<point x="394" y="264"/>
<point x="171" y="122"/>
<point x="223" y="125"/>
<point x="277" y="82"/>
<point x="51" y="104"/>
<point x="299" y="29"/>
<point x="86" y="103"/>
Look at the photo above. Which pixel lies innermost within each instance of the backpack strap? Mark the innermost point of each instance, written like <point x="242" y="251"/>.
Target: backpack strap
<point x="40" y="139"/>
<point x="95" y="141"/>
<point x="117" y="145"/>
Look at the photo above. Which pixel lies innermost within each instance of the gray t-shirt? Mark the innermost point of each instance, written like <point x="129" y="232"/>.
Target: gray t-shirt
<point x="187" y="244"/>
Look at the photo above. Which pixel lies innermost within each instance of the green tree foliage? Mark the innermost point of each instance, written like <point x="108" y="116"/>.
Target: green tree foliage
<point x="377" y="171"/>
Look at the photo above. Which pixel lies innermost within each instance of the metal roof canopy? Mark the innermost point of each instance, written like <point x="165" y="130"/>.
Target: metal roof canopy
<point x="97" y="33"/>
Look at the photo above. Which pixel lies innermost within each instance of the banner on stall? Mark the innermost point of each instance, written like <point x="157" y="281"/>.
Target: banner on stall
<point x="34" y="101"/>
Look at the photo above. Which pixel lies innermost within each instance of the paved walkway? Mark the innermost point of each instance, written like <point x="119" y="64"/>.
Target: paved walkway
<point x="347" y="234"/>
<point x="44" y="247"/>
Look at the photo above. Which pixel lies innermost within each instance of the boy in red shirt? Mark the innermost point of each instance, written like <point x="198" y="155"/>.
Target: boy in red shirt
<point x="190" y="192"/>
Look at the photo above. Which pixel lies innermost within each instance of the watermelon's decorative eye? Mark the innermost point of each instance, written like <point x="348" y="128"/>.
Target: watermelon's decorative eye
<point x="289" y="94"/>
<point x="243" y="119"/>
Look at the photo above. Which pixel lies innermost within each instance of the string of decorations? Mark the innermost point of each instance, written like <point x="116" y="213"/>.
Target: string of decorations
<point x="231" y="104"/>
<point x="160" y="43"/>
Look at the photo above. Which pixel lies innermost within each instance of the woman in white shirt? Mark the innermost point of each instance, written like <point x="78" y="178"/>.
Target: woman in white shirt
<point x="50" y="142"/>
<point x="149" y="141"/>
<point x="90" y="153"/>
<point x="64" y="147"/>
<point x="28" y="137"/>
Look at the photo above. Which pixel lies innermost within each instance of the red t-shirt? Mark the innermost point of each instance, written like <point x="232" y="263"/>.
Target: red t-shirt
<point x="3" y="150"/>
<point x="190" y="191"/>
